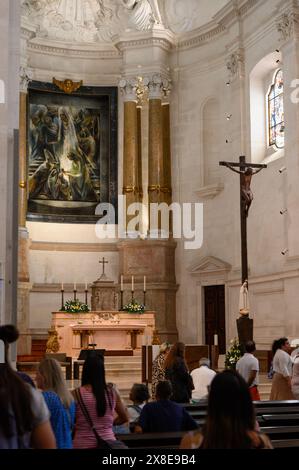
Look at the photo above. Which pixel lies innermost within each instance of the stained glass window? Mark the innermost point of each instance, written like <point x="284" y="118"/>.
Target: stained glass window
<point x="276" y="111"/>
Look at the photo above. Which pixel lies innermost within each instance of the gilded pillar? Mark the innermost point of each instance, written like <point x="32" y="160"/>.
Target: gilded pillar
<point x="155" y="138"/>
<point x="130" y="152"/>
<point x="139" y="132"/>
<point x="166" y="153"/>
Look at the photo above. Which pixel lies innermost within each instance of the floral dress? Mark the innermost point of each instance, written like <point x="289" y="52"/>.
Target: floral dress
<point x="158" y="372"/>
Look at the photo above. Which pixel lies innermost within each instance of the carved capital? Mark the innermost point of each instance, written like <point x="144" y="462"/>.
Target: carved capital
<point x="158" y="86"/>
<point x="128" y="88"/>
<point x="286" y="25"/>
<point x="26" y="75"/>
<point x="235" y="64"/>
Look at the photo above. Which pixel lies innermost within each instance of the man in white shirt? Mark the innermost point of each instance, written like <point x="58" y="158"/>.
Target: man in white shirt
<point x="202" y="377"/>
<point x="248" y="368"/>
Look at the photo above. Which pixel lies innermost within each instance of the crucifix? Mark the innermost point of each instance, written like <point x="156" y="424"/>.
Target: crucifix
<point x="103" y="262"/>
<point x="246" y="171"/>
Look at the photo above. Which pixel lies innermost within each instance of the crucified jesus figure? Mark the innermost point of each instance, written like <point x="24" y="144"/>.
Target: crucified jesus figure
<point x="247" y="195"/>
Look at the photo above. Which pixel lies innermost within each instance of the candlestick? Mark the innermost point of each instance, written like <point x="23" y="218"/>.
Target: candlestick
<point x="132" y="292"/>
<point x="121" y="300"/>
<point x="62" y="297"/>
<point x="121" y="283"/>
<point x="132" y="284"/>
<point x="144" y="283"/>
<point x="86" y="298"/>
<point x="144" y="292"/>
<point x="75" y="293"/>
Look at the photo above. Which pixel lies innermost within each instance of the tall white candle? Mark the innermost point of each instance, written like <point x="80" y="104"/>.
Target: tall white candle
<point x="75" y="286"/>
<point x="85" y="285"/>
<point x="62" y="286"/>
<point x="132" y="283"/>
<point x="144" y="283"/>
<point x="216" y="340"/>
<point x="122" y="283"/>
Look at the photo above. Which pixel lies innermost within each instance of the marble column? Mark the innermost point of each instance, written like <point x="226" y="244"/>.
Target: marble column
<point x="131" y="141"/>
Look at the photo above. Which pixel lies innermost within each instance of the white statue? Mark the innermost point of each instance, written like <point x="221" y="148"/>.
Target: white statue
<point x="244" y="299"/>
<point x="144" y="13"/>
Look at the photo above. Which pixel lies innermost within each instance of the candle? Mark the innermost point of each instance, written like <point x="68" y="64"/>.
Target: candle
<point x="86" y="286"/>
<point x="144" y="283"/>
<point x="132" y="283"/>
<point x="216" y="340"/>
<point x="62" y="286"/>
<point x="122" y="283"/>
<point x="75" y="287"/>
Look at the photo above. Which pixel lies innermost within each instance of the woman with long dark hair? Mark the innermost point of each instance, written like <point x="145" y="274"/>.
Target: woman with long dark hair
<point x="101" y="401"/>
<point x="282" y="368"/>
<point x="230" y="420"/>
<point x="24" y="415"/>
<point x="176" y="371"/>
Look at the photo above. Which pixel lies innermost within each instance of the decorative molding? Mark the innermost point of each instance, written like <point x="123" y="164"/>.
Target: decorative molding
<point x="74" y="52"/>
<point x="74" y="247"/>
<point x="210" y="191"/>
<point x="210" y="265"/>
<point x="124" y="44"/>
<point x="286" y="24"/>
<point x="26" y="75"/>
<point x="201" y="38"/>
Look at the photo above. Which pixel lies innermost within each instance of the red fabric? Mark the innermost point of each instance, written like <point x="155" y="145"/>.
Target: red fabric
<point x="254" y="393"/>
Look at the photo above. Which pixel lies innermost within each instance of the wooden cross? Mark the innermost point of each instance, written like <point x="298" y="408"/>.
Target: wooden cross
<point x="246" y="172"/>
<point x="103" y="262"/>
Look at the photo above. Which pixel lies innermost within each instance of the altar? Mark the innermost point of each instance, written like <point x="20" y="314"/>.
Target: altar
<point x="111" y="330"/>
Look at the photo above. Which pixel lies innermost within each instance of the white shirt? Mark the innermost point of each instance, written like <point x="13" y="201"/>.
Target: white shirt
<point x="202" y="377"/>
<point x="282" y="363"/>
<point x="245" y="365"/>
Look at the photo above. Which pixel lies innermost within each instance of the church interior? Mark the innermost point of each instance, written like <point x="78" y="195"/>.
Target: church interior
<point x="109" y="108"/>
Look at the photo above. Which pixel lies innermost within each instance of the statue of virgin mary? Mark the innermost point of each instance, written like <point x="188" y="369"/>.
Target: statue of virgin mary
<point x="244" y="299"/>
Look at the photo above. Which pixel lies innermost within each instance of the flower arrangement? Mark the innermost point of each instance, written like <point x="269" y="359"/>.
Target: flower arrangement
<point x="233" y="354"/>
<point x="134" y="307"/>
<point x="75" y="306"/>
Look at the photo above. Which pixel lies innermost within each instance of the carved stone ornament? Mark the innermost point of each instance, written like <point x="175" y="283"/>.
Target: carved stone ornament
<point x="52" y="343"/>
<point x="235" y="63"/>
<point x="158" y="86"/>
<point x="286" y="24"/>
<point x="26" y="75"/>
<point x="67" y="86"/>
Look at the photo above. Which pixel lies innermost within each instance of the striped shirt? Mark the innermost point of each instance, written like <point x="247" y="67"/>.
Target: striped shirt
<point x="84" y="436"/>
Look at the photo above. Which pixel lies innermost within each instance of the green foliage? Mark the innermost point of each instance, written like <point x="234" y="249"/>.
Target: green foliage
<point x="233" y="354"/>
<point x="75" y="306"/>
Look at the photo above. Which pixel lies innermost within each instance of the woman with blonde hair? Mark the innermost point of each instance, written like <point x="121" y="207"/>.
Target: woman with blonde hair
<point x="60" y="401"/>
<point x="176" y="371"/>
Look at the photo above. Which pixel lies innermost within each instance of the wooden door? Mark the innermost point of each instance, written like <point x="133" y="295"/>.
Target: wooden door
<point x="215" y="316"/>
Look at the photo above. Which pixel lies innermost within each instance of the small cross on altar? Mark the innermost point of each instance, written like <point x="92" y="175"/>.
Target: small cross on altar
<point x="103" y="262"/>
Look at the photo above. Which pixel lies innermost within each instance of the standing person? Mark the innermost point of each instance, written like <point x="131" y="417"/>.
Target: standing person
<point x="295" y="377"/>
<point x="248" y="368"/>
<point x="177" y="373"/>
<point x="59" y="400"/>
<point x="100" y="400"/>
<point x="158" y="369"/>
<point x="282" y="367"/>
<point x="230" y="420"/>
<point x="163" y="415"/>
<point x="202" y="377"/>
<point x="24" y="421"/>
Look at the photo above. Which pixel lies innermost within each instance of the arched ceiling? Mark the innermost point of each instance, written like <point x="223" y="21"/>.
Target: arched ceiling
<point x="97" y="21"/>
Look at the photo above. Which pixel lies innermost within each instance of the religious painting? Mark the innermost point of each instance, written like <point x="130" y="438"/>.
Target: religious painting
<point x="72" y="152"/>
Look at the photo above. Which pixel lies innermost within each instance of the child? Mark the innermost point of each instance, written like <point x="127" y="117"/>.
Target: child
<point x="139" y="395"/>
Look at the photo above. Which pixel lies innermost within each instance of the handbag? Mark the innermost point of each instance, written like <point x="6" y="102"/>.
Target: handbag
<point x="101" y="443"/>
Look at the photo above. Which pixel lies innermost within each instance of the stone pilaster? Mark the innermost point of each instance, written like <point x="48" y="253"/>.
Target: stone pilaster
<point x="154" y="259"/>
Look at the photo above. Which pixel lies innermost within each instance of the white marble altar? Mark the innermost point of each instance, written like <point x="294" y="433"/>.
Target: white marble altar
<point x="106" y="330"/>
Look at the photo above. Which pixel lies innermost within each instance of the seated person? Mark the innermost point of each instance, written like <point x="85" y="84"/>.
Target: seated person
<point x="164" y="415"/>
<point x="139" y="395"/>
<point x="202" y="377"/>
